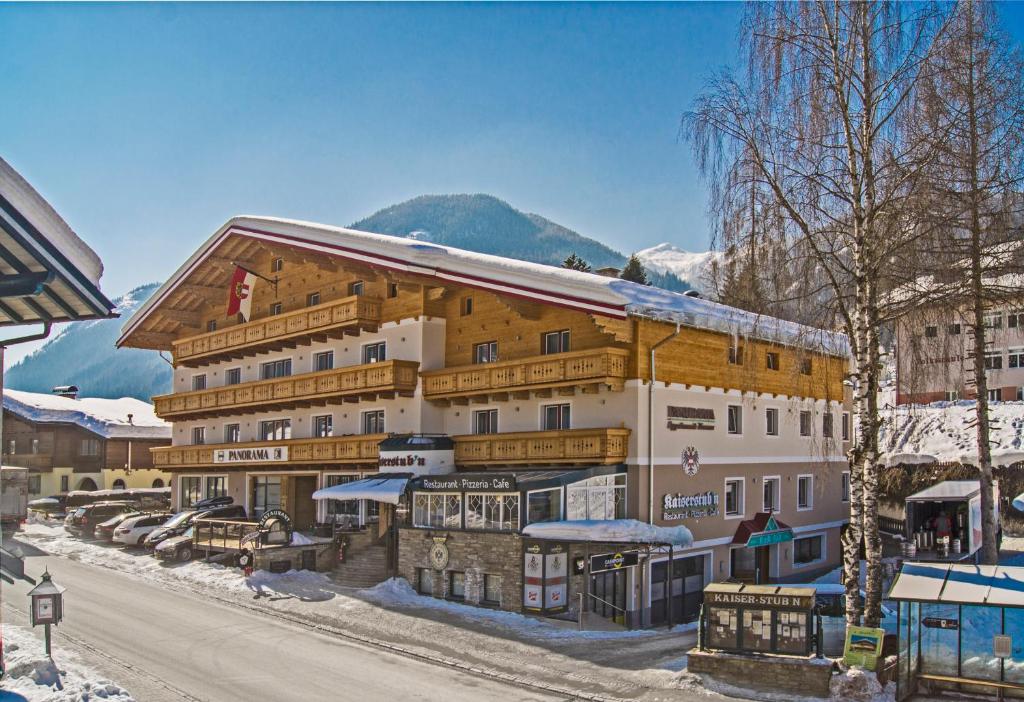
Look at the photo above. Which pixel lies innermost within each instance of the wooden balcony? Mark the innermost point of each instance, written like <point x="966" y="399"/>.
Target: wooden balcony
<point x="359" y="449"/>
<point x="349" y="315"/>
<point x="539" y="375"/>
<point x="572" y="446"/>
<point x="350" y="384"/>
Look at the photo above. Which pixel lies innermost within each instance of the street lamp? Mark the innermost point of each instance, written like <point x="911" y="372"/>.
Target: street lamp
<point x="47" y="605"/>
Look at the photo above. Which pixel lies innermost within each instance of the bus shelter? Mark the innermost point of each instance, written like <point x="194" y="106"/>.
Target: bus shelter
<point x="961" y="627"/>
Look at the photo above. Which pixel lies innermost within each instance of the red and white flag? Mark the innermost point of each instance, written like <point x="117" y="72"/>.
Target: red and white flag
<point x="240" y="294"/>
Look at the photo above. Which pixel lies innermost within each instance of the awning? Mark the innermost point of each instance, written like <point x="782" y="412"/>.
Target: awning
<point x="380" y="489"/>
<point x="996" y="586"/>
<point x="948" y="490"/>
<point x="763" y="530"/>
<point x="614" y="531"/>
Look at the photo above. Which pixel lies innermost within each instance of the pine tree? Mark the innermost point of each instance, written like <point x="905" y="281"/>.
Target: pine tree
<point x="634" y="271"/>
<point x="576" y="263"/>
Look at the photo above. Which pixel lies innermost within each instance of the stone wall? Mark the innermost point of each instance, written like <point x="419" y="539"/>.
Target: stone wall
<point x="326" y="556"/>
<point x="786" y="674"/>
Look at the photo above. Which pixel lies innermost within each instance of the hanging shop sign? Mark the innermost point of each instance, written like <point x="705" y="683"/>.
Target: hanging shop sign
<point x="545" y="577"/>
<point x="678" y="506"/>
<point x="468" y="483"/>
<point x="691" y="418"/>
<point x="263" y="454"/>
<point x="275" y="527"/>
<point x="614" y="561"/>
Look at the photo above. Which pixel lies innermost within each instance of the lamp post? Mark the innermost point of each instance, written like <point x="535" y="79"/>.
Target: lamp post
<point x="47" y="605"/>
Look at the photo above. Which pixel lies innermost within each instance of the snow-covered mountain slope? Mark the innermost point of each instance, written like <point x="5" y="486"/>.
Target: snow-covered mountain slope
<point x="945" y="432"/>
<point x="692" y="267"/>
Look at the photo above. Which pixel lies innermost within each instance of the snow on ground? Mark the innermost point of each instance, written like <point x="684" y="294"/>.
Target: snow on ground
<point x="65" y="679"/>
<point x="945" y="432"/>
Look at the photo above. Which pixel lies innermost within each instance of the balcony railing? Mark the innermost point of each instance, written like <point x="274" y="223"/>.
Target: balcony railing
<point x="594" y="367"/>
<point x="350" y="384"/>
<point x="356" y="449"/>
<point x="579" y="446"/>
<point x="320" y="322"/>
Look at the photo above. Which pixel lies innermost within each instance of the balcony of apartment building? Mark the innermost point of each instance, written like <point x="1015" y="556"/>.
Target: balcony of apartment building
<point x="354" y="450"/>
<point x="348" y="315"/>
<point x="364" y="382"/>
<point x="597" y="446"/>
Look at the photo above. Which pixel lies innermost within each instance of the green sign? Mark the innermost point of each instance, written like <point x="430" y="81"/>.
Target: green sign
<point x="766" y="538"/>
<point x="863" y="646"/>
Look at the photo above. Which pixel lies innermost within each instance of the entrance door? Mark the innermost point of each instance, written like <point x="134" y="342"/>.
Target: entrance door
<point x="762" y="559"/>
<point x="687" y="590"/>
<point x="609" y="589"/>
<point x="305" y="507"/>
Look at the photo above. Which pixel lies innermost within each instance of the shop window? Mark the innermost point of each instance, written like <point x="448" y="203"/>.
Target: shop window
<point x="486" y="352"/>
<point x="805" y="492"/>
<point x="437" y="509"/>
<point x="198" y="435"/>
<point x="544" y="506"/>
<point x="88" y="447"/>
<point x="276" y="369"/>
<point x="275" y="429"/>
<point x="375" y="352"/>
<point x="343" y="512"/>
<point x="191" y="491"/>
<point x="425" y="581"/>
<point x="555" y="342"/>
<point x="810" y="549"/>
<point x="373" y="422"/>
<point x="485" y="421"/>
<point x="323" y="361"/>
<point x="734" y="497"/>
<point x="770" y="491"/>
<point x="233" y="376"/>
<point x="555" y="417"/>
<point x="735" y="354"/>
<point x="771" y="360"/>
<point x="199" y="381"/>
<point x="216" y="486"/>
<point x="827" y="421"/>
<point x="232" y="433"/>
<point x="805" y="423"/>
<point x="498" y="512"/>
<point x="931" y="332"/>
<point x="845" y="495"/>
<point x="276" y="308"/>
<point x="600" y="497"/>
<point x="64" y="483"/>
<point x="355" y="287"/>
<point x="492" y="589"/>
<point x="771" y="418"/>
<point x="312" y="299"/>
<point x="846" y="426"/>
<point x="456" y="585"/>
<point x="266" y="494"/>
<point x="735" y="419"/>
<point x="323" y="426"/>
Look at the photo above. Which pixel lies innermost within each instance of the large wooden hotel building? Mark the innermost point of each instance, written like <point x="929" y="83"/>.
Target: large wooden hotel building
<point x="529" y="389"/>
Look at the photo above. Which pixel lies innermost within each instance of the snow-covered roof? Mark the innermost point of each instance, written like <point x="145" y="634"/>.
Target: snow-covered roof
<point x="947" y="490"/>
<point x="945" y="432"/>
<point x="588" y="292"/>
<point x="617" y="531"/>
<point x="107" y="418"/>
<point x="993" y="585"/>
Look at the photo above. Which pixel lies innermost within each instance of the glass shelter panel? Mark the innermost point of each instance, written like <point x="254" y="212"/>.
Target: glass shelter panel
<point x="977" y="626"/>
<point x="939" y="644"/>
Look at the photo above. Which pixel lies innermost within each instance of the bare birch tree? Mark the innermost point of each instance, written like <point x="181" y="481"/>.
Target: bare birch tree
<point x="815" y="132"/>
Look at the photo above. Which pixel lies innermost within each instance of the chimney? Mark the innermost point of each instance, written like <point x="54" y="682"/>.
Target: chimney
<point x="68" y="391"/>
<point x="608" y="272"/>
<point x="130" y="417"/>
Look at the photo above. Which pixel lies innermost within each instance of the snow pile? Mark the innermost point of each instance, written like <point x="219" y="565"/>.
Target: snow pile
<point x="945" y="432"/>
<point x="107" y="418"/>
<point x="859" y="685"/>
<point x="35" y="677"/>
<point x="623" y="531"/>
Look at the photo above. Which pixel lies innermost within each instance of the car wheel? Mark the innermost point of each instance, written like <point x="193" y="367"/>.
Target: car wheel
<point x="142" y="541"/>
<point x="185" y="554"/>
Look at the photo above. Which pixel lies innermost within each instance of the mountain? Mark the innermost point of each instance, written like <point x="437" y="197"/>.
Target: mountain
<point x="83" y="354"/>
<point x="693" y="267"/>
<point x="486" y="224"/>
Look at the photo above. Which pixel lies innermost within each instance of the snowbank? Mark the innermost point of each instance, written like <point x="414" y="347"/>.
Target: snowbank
<point x="945" y="432"/>
<point x="107" y="418"/>
<point x="625" y="531"/>
<point x="34" y="676"/>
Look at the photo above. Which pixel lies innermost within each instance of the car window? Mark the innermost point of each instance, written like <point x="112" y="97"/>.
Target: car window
<point x="829" y="605"/>
<point x="80" y="512"/>
<point x="179" y="518"/>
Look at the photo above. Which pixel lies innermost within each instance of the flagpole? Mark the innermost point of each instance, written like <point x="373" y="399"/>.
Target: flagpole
<point x="272" y="281"/>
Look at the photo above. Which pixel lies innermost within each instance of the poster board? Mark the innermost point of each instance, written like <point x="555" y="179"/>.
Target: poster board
<point x="863" y="646"/>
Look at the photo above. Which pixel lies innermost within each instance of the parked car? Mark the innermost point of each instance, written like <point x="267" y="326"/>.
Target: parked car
<point x="830" y="603"/>
<point x="133" y="530"/>
<point x="104" y="531"/>
<point x="176" y="548"/>
<point x="52" y="506"/>
<point x="84" y="520"/>
<point x="180" y="522"/>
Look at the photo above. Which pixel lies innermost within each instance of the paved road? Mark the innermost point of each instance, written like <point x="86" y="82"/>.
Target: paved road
<point x="165" y="645"/>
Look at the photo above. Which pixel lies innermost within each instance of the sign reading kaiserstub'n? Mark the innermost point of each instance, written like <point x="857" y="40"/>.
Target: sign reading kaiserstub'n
<point x="261" y="454"/>
<point x="678" y="506"/>
<point x="468" y="483"/>
<point x="691" y="418"/>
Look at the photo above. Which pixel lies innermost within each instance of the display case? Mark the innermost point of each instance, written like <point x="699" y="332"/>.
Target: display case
<point x="759" y="618"/>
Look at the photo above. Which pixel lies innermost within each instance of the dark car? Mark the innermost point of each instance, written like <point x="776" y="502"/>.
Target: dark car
<point x="83" y="521"/>
<point x="179" y="523"/>
<point x="176" y="548"/>
<point x="104" y="531"/>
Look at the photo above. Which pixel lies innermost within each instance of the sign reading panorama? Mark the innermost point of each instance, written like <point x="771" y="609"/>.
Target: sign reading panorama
<point x="263" y="454"/>
<point x="468" y="483"/>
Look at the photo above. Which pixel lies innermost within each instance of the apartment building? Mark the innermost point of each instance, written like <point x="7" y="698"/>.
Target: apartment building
<point x="534" y="386"/>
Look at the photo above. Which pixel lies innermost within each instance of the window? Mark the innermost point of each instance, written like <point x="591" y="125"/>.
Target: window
<point x="198" y="435"/>
<point x="89" y="447"/>
<point x="555" y="417"/>
<point x="993" y="320"/>
<point x="555" y="342"/>
<point x="770" y="501"/>
<point x="456" y="585"/>
<point x="735" y="354"/>
<point x="373" y="422"/>
<point x="486" y="352"/>
<point x="771" y="360"/>
<point x="355" y="287"/>
<point x="35" y="484"/>
<point x="466" y="306"/>
<point x="1020" y="392"/>
<point x="118" y="484"/>
<point x="275" y="308"/>
<point x="12" y="447"/>
<point x="216" y="486"/>
<point x="35" y="446"/>
<point x="544" y="506"/>
<point x="845" y="494"/>
<point x="199" y="381"/>
<point x="157" y="483"/>
<point x="993" y="361"/>
<point x="485" y="421"/>
<point x="810" y="549"/>
<point x="424" y="578"/>
<point x="232" y="433"/>
<point x="64" y="483"/>
<point x="953" y="329"/>
<point x="827" y="420"/>
<point x="275" y="429"/>
<point x="771" y="418"/>
<point x="191" y="490"/>
<point x="392" y="290"/>
<point x="323" y="426"/>
<point x="952" y="395"/>
<point x="233" y="376"/>
<point x="498" y="512"/>
<point x="805" y="423"/>
<point x="995" y="395"/>
<point x="492" y="589"/>
<point x="735" y="417"/>
<point x="733" y="497"/>
<point x="437" y="509"/>
<point x="805" y="492"/>
<point x="276" y="369"/>
<point x="312" y="299"/>
<point x="846" y="426"/>
<point x="277" y="265"/>
<point x="266" y="494"/>
<point x="375" y="352"/>
<point x="931" y="332"/>
<point x="1015" y="319"/>
<point x="211" y="325"/>
<point x="598" y="497"/>
<point x="342" y="511"/>
<point x="323" y="361"/>
<point x="1015" y="359"/>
